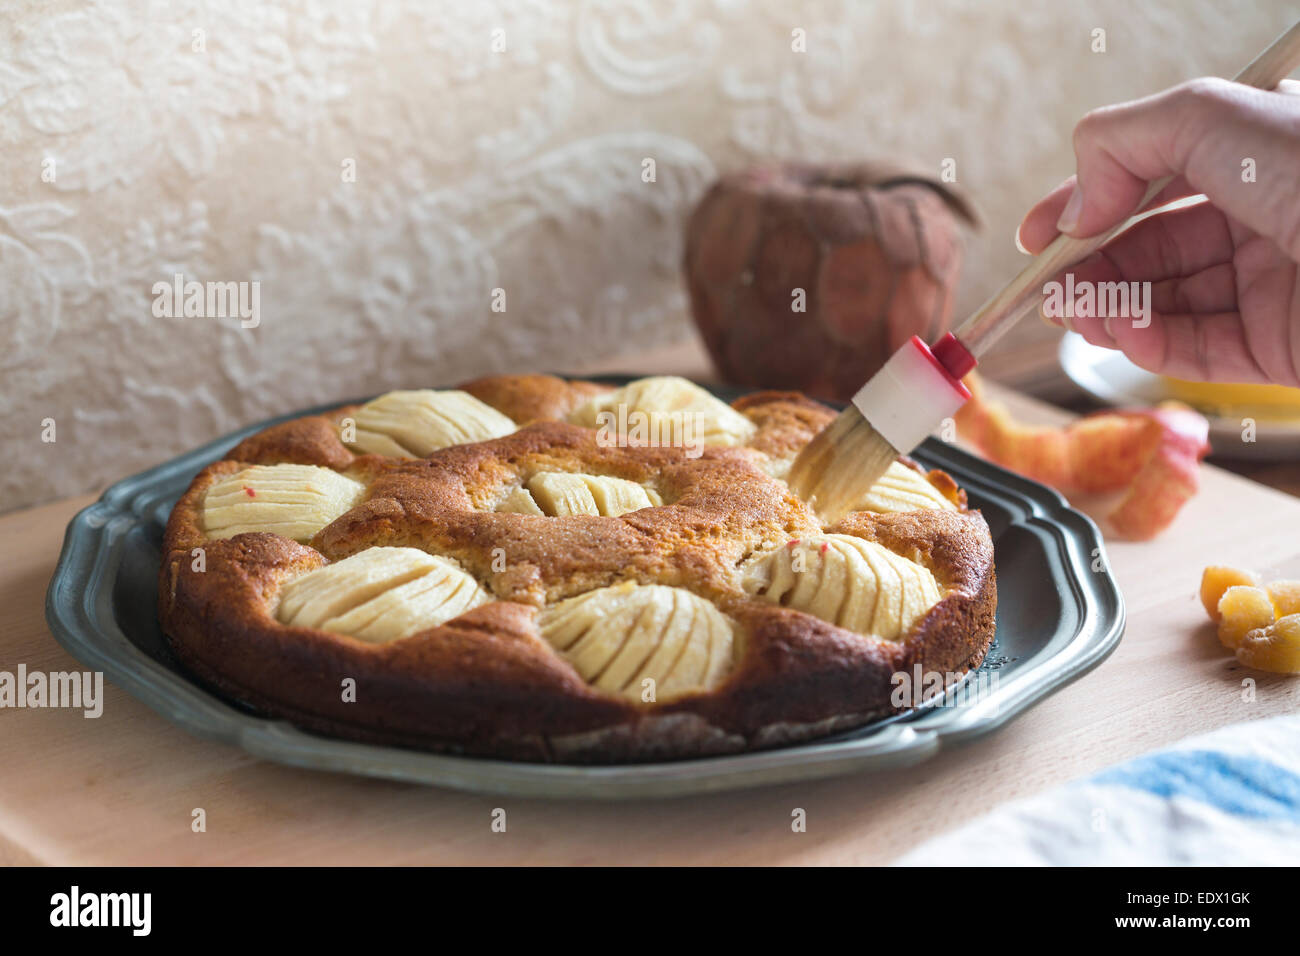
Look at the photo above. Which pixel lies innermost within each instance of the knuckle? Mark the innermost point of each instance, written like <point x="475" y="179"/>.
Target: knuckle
<point x="1198" y="108"/>
<point x="1092" y="128"/>
<point x="1204" y="94"/>
<point x="1086" y="130"/>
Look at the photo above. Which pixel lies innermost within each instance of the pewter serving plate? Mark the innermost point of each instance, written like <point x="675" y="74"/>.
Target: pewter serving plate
<point x="1056" y="620"/>
<point x="1112" y="379"/>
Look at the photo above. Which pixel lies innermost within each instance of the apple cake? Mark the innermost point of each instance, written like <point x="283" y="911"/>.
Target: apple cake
<point x="533" y="568"/>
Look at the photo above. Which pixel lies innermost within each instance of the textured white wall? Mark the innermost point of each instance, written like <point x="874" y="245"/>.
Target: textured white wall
<point x="517" y="169"/>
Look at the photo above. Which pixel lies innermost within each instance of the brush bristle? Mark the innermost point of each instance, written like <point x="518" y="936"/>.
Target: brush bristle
<point x="838" y="467"/>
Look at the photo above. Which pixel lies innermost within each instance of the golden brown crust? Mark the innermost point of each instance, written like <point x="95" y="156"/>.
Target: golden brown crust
<point x="310" y="440"/>
<point x="487" y="682"/>
<point x="786" y="420"/>
<point x="533" y="398"/>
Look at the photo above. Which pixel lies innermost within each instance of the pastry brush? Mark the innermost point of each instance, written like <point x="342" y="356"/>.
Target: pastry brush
<point x="919" y="386"/>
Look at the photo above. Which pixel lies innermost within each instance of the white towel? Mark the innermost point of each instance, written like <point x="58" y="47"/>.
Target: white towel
<point x="1231" y="797"/>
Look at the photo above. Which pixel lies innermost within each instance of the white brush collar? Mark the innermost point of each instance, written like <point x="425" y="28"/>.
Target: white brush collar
<point x="910" y="396"/>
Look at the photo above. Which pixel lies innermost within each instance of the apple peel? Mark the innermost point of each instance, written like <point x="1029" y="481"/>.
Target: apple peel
<point x="1151" y="454"/>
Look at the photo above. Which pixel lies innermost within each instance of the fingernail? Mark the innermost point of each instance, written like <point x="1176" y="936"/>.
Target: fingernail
<point x="1070" y="214"/>
<point x="1020" y="245"/>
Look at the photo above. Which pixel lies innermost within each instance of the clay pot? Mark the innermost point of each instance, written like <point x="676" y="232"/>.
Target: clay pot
<point x="872" y="253"/>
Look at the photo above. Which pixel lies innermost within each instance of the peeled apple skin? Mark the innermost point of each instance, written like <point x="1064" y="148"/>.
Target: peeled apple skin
<point x="1151" y="454"/>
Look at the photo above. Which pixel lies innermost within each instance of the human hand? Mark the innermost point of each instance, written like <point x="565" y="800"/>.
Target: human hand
<point x="1225" y="300"/>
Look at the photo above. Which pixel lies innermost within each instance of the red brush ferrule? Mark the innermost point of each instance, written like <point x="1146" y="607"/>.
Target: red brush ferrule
<point x="953" y="356"/>
<point x="941" y="370"/>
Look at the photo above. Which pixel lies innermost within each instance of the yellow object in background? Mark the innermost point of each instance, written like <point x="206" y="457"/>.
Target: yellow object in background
<point x="1230" y="400"/>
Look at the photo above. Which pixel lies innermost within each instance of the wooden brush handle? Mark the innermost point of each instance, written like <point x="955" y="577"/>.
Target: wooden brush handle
<point x="1022" y="293"/>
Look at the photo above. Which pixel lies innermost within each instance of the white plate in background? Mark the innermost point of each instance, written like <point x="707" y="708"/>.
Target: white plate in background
<point x="1112" y="379"/>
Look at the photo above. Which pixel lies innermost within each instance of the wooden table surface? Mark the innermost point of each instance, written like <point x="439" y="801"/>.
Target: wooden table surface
<point x="122" y="788"/>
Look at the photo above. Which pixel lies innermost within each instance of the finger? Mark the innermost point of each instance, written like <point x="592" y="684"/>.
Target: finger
<point x="1094" y="270"/>
<point x="1038" y="228"/>
<point x="1270" y="298"/>
<point x="1208" y="347"/>
<point x="1167" y="250"/>
<point x="1179" y="188"/>
<point x="1206" y="292"/>
<point x="1039" y="225"/>
<point x="1168" y="246"/>
<point x="1233" y="143"/>
<point x="1172" y="244"/>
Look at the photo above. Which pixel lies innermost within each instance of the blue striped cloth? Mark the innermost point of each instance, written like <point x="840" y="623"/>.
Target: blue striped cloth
<point x="1227" y="797"/>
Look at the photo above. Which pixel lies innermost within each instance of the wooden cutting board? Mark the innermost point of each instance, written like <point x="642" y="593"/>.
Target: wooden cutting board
<point x="122" y="788"/>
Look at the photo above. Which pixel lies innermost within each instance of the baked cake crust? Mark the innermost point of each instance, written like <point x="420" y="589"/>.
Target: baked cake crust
<point x="487" y="682"/>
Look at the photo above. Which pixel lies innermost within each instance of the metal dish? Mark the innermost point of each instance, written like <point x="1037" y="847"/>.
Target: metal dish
<point x="1057" y="619"/>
